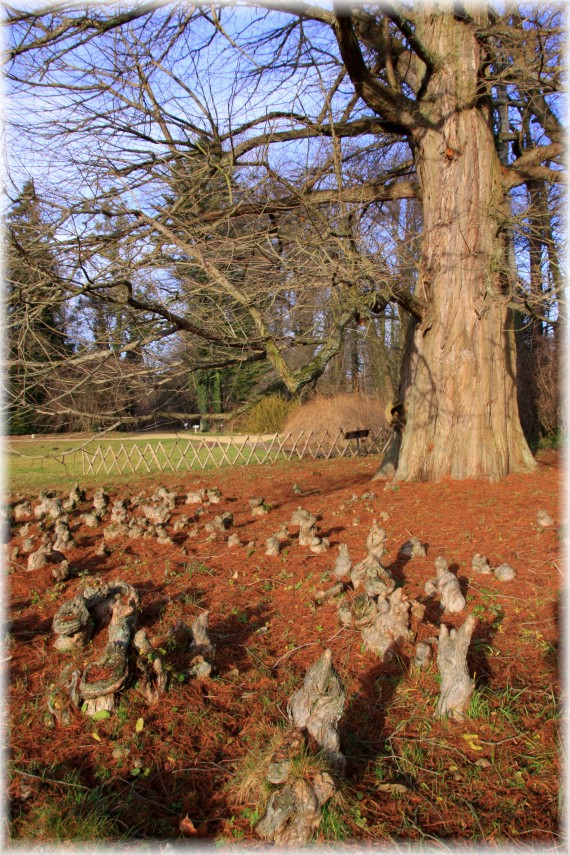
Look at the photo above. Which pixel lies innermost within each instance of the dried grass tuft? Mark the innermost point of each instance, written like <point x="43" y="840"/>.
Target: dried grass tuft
<point x="349" y="411"/>
<point x="249" y="785"/>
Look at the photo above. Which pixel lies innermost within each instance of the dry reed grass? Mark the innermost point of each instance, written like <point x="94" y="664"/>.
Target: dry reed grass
<point x="349" y="411"/>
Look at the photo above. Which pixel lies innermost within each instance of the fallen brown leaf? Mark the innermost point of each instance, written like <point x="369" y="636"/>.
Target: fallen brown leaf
<point x="187" y="827"/>
<point x="392" y="788"/>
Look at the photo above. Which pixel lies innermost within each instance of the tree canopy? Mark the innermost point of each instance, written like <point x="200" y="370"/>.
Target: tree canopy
<point x="240" y="190"/>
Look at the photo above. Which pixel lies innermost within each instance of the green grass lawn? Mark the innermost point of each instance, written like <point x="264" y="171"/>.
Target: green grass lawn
<point x="60" y="463"/>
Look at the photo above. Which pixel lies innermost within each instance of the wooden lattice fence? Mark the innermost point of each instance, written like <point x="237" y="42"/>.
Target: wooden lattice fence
<point x="181" y="454"/>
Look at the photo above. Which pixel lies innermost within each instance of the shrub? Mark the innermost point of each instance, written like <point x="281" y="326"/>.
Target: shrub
<point x="349" y="411"/>
<point x="267" y="416"/>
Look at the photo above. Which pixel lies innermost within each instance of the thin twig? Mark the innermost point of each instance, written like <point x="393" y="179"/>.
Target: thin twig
<point x="144" y="798"/>
<point x="256" y="582"/>
<point x="332" y="637"/>
<point x="14" y="563"/>
<point x="202" y="768"/>
<point x="430" y="742"/>
<point x="307" y="644"/>
<point x="293" y="650"/>
<point x="255" y="656"/>
<point x="500" y="741"/>
<point x="51" y="780"/>
<point x="495" y="594"/>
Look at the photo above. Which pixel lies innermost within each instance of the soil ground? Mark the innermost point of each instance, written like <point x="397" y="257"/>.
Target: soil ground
<point x="494" y="777"/>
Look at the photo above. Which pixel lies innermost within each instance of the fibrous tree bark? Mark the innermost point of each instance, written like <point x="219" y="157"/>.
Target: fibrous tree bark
<point x="458" y="384"/>
<point x="294" y="811"/>
<point x="447" y="586"/>
<point x="456" y="684"/>
<point x="369" y="572"/>
<point x="391" y="626"/>
<point x="115" y="605"/>
<point x="317" y="706"/>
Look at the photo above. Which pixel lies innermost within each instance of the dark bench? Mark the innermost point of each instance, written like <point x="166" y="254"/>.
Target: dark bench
<point x="357" y="435"/>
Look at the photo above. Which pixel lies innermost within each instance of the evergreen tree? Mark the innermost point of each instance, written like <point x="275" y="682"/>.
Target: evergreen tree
<point x="35" y="314"/>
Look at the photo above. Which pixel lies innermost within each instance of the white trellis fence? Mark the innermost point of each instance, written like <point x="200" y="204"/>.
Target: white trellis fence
<point x="180" y="454"/>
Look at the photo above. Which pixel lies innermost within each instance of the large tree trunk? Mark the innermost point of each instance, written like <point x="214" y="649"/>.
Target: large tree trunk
<point x="458" y="379"/>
